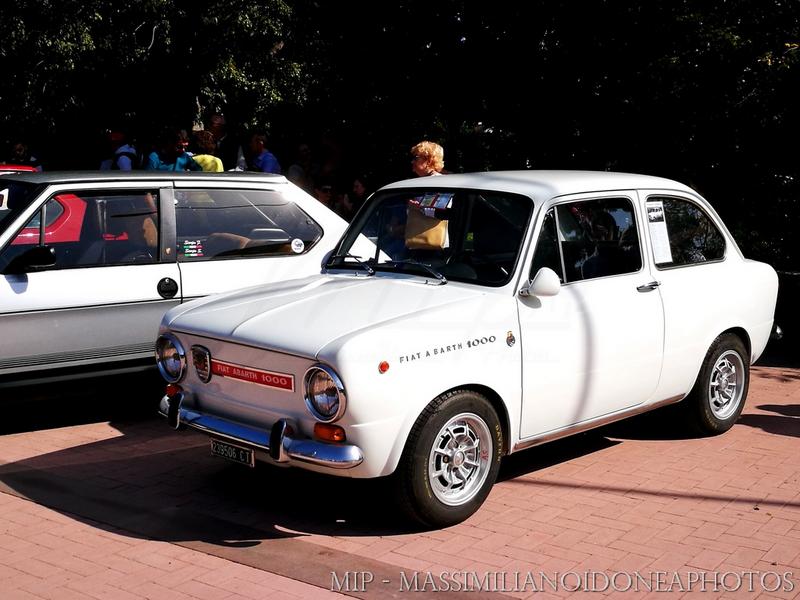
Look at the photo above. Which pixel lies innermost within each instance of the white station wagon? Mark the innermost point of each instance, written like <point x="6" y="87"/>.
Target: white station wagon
<point x="90" y="262"/>
<point x="465" y="317"/>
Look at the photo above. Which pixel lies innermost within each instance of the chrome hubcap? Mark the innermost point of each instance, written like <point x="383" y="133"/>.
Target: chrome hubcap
<point x="460" y="459"/>
<point x="726" y="386"/>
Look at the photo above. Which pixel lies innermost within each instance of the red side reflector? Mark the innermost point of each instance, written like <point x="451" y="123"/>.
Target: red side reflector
<point x="383" y="367"/>
<point x="329" y="433"/>
<point x="173" y="388"/>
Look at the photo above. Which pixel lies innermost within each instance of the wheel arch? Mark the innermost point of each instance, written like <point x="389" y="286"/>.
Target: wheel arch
<point x="742" y="334"/>
<point x="497" y="403"/>
<point x="736" y="330"/>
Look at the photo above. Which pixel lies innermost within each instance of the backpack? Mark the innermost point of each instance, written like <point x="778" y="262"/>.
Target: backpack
<point x="130" y="155"/>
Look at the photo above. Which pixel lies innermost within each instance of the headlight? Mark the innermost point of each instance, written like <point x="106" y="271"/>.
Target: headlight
<point x="324" y="393"/>
<point x="170" y="358"/>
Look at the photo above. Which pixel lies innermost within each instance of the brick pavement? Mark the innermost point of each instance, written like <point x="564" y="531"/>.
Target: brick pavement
<point x="128" y="509"/>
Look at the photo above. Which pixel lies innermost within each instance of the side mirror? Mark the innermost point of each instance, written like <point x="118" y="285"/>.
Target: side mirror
<point x="544" y="283"/>
<point x="33" y="259"/>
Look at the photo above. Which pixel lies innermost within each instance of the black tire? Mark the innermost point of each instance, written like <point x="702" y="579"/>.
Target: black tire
<point x="720" y="392"/>
<point x="435" y="500"/>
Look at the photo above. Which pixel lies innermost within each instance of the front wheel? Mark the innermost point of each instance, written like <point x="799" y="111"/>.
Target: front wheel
<point x="451" y="459"/>
<point x="719" y="394"/>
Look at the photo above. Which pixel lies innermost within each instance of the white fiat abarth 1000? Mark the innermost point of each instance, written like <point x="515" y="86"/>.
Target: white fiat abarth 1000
<point x="465" y="317"/>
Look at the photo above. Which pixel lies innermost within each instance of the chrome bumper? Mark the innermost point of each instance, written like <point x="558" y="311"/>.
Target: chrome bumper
<point x="278" y="442"/>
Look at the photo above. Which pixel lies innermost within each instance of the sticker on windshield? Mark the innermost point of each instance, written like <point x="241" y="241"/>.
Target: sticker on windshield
<point x="298" y="246"/>
<point x="434" y="200"/>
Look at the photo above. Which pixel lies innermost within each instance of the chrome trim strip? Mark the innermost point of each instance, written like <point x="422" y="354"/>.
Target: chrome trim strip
<point x="586" y="425"/>
<point x="88" y="354"/>
<point x="335" y="456"/>
<point x="61" y="309"/>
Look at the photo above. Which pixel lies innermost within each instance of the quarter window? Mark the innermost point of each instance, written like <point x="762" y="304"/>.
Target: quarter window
<point x="682" y="233"/>
<point x="589" y="239"/>
<point x="220" y="223"/>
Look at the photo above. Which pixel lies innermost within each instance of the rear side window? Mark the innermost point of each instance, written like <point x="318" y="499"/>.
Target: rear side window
<point x="225" y="223"/>
<point x="682" y="233"/>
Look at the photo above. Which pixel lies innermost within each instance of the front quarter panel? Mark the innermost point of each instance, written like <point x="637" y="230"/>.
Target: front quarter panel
<point x="430" y="352"/>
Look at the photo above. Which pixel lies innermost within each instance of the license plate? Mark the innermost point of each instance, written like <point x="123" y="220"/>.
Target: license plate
<point x="233" y="452"/>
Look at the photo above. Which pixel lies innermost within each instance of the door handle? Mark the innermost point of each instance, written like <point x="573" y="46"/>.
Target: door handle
<point x="648" y="287"/>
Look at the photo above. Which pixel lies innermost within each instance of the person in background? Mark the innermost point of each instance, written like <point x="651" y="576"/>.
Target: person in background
<point x="263" y="160"/>
<point x="229" y="151"/>
<point x="21" y="155"/>
<point x="323" y="191"/>
<point x="123" y="155"/>
<point x="206" y="146"/>
<point x="427" y="158"/>
<point x="300" y="172"/>
<point x="360" y="191"/>
<point x="172" y="155"/>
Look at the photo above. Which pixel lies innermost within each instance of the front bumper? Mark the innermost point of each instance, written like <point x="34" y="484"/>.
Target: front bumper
<point x="278" y="443"/>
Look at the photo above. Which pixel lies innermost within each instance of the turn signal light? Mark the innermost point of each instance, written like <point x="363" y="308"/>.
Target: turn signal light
<point x="329" y="433"/>
<point x="173" y="388"/>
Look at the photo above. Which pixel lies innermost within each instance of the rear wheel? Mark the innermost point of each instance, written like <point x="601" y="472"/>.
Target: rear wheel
<point x="451" y="459"/>
<point x="719" y="394"/>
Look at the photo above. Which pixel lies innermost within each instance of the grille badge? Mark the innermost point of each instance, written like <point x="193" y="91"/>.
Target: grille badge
<point x="201" y="358"/>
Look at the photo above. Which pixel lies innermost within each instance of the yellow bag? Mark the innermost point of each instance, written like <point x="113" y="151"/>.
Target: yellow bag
<point x="425" y="233"/>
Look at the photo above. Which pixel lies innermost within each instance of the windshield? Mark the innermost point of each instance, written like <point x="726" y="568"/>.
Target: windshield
<point x="461" y="235"/>
<point x="15" y="197"/>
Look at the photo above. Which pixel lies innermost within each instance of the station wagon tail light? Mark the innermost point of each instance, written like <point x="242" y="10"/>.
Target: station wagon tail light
<point x="324" y="394"/>
<point x="170" y="358"/>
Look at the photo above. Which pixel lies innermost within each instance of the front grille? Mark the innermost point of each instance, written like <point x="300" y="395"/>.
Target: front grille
<point x="201" y="358"/>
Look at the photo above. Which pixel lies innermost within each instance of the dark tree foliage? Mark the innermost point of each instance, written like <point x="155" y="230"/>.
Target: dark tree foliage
<point x="74" y="67"/>
<point x="700" y="91"/>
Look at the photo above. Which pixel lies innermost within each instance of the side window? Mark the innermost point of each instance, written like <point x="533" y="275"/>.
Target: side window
<point x="547" y="253"/>
<point x="94" y="229"/>
<point x="682" y="233"/>
<point x="589" y="239"/>
<point x="219" y="223"/>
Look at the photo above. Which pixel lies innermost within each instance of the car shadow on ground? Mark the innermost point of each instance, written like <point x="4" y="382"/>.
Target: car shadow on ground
<point x="784" y="421"/>
<point x="154" y="482"/>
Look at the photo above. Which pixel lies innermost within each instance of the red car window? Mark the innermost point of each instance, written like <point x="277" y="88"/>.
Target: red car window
<point x="63" y="222"/>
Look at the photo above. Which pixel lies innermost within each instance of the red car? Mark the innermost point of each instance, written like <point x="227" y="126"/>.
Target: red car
<point x="17" y="168"/>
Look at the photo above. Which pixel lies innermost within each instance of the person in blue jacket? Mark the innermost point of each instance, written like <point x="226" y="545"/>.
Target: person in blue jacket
<point x="173" y="155"/>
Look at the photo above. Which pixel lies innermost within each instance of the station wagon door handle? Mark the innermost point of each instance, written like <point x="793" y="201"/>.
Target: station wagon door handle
<point x="648" y="287"/>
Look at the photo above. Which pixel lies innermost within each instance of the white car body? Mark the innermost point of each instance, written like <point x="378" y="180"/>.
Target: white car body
<point x="82" y="319"/>
<point x="551" y="358"/>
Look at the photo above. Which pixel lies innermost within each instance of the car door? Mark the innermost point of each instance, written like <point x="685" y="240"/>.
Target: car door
<point x="234" y="235"/>
<point x="689" y="252"/>
<point x="112" y="280"/>
<point x="595" y="348"/>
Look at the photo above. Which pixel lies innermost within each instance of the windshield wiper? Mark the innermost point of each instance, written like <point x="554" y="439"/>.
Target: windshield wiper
<point x="416" y="263"/>
<point x="339" y="258"/>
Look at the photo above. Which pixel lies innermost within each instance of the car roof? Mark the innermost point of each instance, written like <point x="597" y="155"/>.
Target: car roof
<point x="544" y="184"/>
<point x="52" y="177"/>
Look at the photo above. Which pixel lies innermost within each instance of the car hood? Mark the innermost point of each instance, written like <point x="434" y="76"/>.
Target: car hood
<point x="304" y="315"/>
